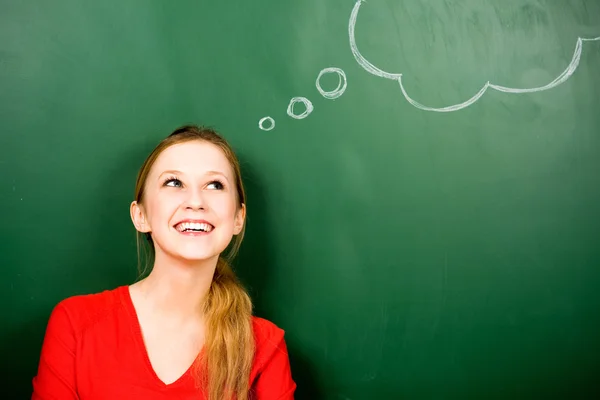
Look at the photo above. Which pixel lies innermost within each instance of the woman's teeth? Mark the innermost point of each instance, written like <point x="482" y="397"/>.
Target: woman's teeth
<point x="194" y="227"/>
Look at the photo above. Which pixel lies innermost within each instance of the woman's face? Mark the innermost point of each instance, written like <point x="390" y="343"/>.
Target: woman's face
<point x="190" y="203"/>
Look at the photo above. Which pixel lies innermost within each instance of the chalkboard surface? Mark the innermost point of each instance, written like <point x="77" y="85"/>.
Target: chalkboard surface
<point x="423" y="178"/>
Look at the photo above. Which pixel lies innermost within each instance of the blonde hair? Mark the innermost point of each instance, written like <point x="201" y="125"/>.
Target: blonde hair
<point x="223" y="372"/>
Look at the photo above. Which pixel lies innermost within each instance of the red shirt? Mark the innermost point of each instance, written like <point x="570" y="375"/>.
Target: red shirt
<point x="94" y="350"/>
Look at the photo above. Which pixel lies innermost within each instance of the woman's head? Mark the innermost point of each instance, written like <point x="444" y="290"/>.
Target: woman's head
<point x="189" y="196"/>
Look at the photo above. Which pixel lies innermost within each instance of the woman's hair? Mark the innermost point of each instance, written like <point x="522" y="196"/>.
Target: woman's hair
<point x="224" y="369"/>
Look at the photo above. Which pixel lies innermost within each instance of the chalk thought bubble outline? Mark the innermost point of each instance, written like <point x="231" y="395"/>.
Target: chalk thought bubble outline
<point x="261" y="123"/>
<point x="307" y="103"/>
<point x="369" y="67"/>
<point x="328" y="94"/>
<point x="341" y="87"/>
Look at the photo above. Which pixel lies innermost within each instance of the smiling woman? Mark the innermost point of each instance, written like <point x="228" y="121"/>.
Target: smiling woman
<point x="186" y="330"/>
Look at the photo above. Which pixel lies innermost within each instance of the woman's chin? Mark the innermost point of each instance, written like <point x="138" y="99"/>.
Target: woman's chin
<point x="196" y="257"/>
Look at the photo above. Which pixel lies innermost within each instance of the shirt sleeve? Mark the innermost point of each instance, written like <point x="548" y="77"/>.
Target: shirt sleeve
<point x="55" y="379"/>
<point x="274" y="381"/>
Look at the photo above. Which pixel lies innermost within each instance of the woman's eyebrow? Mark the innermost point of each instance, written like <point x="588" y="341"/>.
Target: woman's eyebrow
<point x="179" y="173"/>
<point x="171" y="172"/>
<point x="216" y="173"/>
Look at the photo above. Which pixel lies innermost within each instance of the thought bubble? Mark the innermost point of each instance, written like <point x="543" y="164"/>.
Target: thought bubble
<point x="261" y="124"/>
<point x="341" y="87"/>
<point x="372" y="69"/>
<point x="328" y="94"/>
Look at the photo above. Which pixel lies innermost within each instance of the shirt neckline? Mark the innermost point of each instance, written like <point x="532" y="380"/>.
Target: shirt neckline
<point x="136" y="328"/>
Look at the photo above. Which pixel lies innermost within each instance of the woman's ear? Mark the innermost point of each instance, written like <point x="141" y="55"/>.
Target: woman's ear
<point x="240" y="217"/>
<point x="138" y="217"/>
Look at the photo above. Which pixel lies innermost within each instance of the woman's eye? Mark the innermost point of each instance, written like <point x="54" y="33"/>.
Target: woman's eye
<point x="215" y="185"/>
<point x="173" y="182"/>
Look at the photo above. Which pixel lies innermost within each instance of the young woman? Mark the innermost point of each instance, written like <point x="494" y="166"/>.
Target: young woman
<point x="186" y="331"/>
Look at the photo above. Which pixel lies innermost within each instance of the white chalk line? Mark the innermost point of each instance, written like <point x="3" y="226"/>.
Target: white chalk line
<point x="307" y="104"/>
<point x="266" y="128"/>
<point x="331" y="94"/>
<point x="363" y="62"/>
<point x="341" y="87"/>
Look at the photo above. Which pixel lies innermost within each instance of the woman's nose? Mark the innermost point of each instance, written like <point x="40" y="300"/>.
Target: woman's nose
<point x="195" y="200"/>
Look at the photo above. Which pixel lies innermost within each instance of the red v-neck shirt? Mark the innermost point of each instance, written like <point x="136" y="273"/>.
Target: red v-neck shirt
<point x="94" y="350"/>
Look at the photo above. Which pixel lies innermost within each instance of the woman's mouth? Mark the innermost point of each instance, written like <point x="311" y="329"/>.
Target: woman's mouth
<point x="194" y="228"/>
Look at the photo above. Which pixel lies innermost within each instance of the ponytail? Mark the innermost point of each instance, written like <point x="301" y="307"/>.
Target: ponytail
<point x="228" y="355"/>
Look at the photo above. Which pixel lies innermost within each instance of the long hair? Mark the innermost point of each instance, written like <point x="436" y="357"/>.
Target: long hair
<point x="223" y="371"/>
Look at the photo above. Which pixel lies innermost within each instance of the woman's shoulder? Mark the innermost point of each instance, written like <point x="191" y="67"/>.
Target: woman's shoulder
<point x="271" y="361"/>
<point x="265" y="329"/>
<point x="93" y="301"/>
<point x="82" y="309"/>
<point x="269" y="337"/>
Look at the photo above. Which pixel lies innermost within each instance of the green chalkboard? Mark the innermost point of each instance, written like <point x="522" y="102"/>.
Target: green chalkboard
<point x="423" y="178"/>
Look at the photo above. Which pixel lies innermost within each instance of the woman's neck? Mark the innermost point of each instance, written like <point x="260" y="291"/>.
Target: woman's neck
<point x="175" y="288"/>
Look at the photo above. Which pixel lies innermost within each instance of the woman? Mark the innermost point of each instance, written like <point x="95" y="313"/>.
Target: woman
<point x="186" y="331"/>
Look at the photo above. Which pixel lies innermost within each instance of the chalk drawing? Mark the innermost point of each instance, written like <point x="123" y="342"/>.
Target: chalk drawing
<point x="341" y="87"/>
<point x="307" y="104"/>
<point x="267" y="128"/>
<point x="331" y="94"/>
<point x="369" y="67"/>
